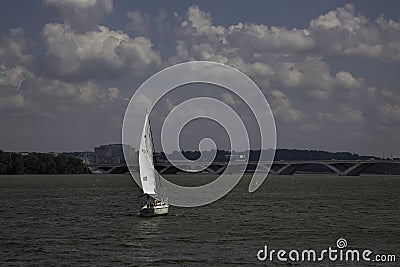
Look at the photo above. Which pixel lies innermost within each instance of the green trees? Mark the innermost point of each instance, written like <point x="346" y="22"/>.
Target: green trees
<point x="70" y="165"/>
<point x="40" y="163"/>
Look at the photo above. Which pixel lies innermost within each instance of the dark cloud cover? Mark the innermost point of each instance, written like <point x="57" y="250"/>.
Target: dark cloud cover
<point x="65" y="85"/>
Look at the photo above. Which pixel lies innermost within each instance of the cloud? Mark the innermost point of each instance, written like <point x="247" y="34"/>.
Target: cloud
<point x="201" y="24"/>
<point x="345" y="115"/>
<point x="89" y="93"/>
<point x="341" y="17"/>
<point x="347" y="80"/>
<point x="27" y="89"/>
<point x="291" y="74"/>
<point x="228" y="99"/>
<point x="12" y="103"/>
<point x="83" y="15"/>
<point x="283" y="109"/>
<point x="113" y="92"/>
<point x="96" y="54"/>
<point x="139" y="22"/>
<point x="83" y="69"/>
<point x="13" y="48"/>
<point x="343" y="32"/>
<point x="292" y="66"/>
<point x="13" y="76"/>
<point x="319" y="94"/>
<point x="71" y="95"/>
<point x="258" y="38"/>
<point x="47" y="96"/>
<point x="254" y="69"/>
<point x="142" y="24"/>
<point x="389" y="114"/>
<point x="339" y="32"/>
<point x="241" y="39"/>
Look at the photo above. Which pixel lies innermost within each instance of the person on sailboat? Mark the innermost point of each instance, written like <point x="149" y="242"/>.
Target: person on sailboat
<point x="148" y="201"/>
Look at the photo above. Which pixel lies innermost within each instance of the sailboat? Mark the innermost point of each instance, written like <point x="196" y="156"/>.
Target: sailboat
<point x="152" y="201"/>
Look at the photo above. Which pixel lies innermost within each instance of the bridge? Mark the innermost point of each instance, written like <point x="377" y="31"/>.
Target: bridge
<point x="282" y="167"/>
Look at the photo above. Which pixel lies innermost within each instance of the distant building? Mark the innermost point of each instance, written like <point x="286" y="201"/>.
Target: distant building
<point x="111" y="153"/>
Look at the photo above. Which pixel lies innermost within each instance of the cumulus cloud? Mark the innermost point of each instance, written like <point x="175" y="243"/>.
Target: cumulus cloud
<point x="47" y="96"/>
<point x="296" y="61"/>
<point x="13" y="76"/>
<point x="89" y="93"/>
<point x="345" y="115"/>
<point x="389" y="114"/>
<point x="14" y="61"/>
<point x="96" y="54"/>
<point x="268" y="39"/>
<point x="139" y="22"/>
<point x="319" y="94"/>
<point x="86" y="64"/>
<point x="200" y="23"/>
<point x="113" y="92"/>
<point x="228" y="99"/>
<point x="343" y="32"/>
<point x="12" y="103"/>
<point x="341" y="17"/>
<point x="68" y="83"/>
<point x="83" y="15"/>
<point x="347" y="80"/>
<point x="298" y="55"/>
<point x="254" y="69"/>
<point x="275" y="57"/>
<point x="142" y="24"/>
<point x="13" y="48"/>
<point x="283" y="109"/>
<point x="241" y="39"/>
<point x="69" y="94"/>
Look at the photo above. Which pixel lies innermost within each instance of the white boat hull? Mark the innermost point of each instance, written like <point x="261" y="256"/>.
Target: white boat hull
<point x="154" y="210"/>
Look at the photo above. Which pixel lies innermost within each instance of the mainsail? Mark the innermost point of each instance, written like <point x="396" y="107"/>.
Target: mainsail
<point x="147" y="174"/>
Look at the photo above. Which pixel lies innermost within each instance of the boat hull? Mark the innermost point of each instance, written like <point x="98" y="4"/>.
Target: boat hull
<point x="154" y="211"/>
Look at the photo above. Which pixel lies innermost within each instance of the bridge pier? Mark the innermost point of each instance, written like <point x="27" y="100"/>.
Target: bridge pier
<point x="336" y="168"/>
<point x="289" y="169"/>
<point x="356" y="169"/>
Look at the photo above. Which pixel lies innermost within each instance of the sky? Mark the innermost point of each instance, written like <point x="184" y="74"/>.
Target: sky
<point x="329" y="69"/>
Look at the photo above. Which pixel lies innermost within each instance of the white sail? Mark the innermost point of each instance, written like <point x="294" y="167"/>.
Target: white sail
<point x="147" y="174"/>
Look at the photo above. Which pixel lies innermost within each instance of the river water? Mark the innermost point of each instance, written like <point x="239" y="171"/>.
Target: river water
<point x="78" y="220"/>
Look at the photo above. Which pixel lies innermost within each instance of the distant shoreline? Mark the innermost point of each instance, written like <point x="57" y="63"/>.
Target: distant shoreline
<point x="16" y="163"/>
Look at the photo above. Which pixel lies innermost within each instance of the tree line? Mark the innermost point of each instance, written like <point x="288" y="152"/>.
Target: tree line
<point x="40" y="163"/>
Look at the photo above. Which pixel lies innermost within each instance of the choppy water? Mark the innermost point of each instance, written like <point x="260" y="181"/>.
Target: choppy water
<point x="91" y="220"/>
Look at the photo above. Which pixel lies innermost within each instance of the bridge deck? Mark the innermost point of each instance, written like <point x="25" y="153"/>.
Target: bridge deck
<point x="282" y="167"/>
